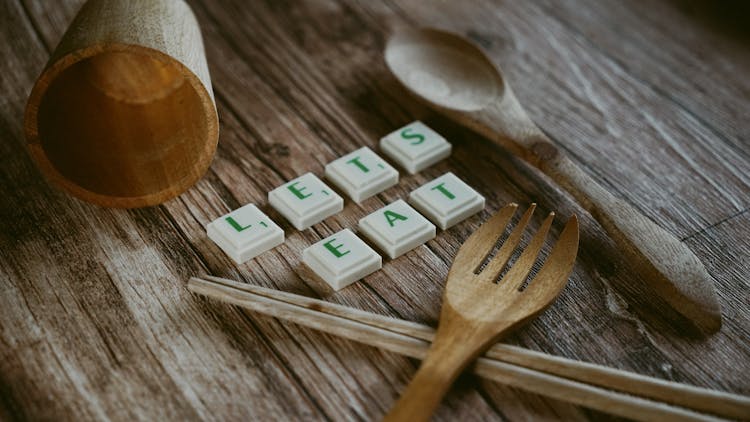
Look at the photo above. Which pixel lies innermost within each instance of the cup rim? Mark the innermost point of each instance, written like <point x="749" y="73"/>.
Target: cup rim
<point x="33" y="142"/>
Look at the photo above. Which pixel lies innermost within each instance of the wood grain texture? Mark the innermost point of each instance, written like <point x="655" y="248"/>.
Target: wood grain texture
<point x="96" y="322"/>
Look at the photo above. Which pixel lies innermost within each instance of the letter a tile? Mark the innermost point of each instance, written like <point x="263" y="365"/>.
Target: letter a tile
<point x="397" y="228"/>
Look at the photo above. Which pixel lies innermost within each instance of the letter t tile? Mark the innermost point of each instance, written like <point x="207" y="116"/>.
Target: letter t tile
<point x="361" y="174"/>
<point x="446" y="200"/>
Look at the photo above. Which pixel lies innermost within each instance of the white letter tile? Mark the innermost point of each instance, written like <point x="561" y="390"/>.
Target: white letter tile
<point x="245" y="233"/>
<point x="397" y="228"/>
<point x="305" y="201"/>
<point x="341" y="259"/>
<point x="361" y="174"/>
<point x="415" y="147"/>
<point x="446" y="200"/>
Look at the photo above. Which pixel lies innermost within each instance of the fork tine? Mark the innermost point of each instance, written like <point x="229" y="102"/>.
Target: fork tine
<point x="522" y="267"/>
<point x="554" y="274"/>
<point x="474" y="250"/>
<point x="497" y="263"/>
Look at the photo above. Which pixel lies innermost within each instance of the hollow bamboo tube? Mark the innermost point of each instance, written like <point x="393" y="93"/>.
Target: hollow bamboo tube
<point x="123" y="114"/>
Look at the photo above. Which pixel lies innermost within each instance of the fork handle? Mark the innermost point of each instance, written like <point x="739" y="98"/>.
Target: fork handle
<point x="432" y="380"/>
<point x="446" y="359"/>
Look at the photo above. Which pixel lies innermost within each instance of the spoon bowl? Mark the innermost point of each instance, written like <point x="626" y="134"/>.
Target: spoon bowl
<point x="449" y="74"/>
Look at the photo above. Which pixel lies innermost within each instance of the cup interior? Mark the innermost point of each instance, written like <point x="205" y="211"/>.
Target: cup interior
<point x="128" y="125"/>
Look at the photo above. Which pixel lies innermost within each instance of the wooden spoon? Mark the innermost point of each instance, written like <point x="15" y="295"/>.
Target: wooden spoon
<point x="455" y="77"/>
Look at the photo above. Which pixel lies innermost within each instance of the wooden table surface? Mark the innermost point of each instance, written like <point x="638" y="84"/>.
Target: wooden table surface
<point x="650" y="97"/>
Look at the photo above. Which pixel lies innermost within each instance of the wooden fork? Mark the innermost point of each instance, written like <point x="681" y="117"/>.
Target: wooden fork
<point x="476" y="311"/>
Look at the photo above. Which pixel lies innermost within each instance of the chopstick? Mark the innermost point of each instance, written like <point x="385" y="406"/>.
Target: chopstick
<point x="556" y="377"/>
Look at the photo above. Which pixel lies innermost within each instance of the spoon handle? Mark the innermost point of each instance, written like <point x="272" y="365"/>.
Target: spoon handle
<point x="672" y="269"/>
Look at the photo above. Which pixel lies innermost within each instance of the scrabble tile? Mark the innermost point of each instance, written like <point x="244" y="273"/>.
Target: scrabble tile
<point x="245" y="233"/>
<point x="446" y="200"/>
<point x="397" y="228"/>
<point x="361" y="174"/>
<point x="305" y="201"/>
<point x="341" y="259"/>
<point x="415" y="147"/>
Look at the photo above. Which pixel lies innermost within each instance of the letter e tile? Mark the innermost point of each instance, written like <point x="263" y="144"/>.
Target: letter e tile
<point x="305" y="201"/>
<point x="341" y="259"/>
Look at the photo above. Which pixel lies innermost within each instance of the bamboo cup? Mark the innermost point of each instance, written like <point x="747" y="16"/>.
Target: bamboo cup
<point x="123" y="114"/>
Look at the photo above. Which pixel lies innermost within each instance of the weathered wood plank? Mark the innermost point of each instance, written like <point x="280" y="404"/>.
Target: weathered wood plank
<point x="308" y="40"/>
<point x="307" y="143"/>
<point x="108" y="309"/>
<point x="701" y="70"/>
<point x="96" y="322"/>
<point x="641" y="144"/>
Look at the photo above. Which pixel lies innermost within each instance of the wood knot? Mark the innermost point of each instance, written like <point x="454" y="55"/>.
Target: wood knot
<point x="315" y="306"/>
<point x="544" y="151"/>
<point x="277" y="149"/>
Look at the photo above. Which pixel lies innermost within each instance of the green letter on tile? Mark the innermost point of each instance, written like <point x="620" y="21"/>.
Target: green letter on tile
<point x="444" y="191"/>
<point x="334" y="249"/>
<point x="391" y="217"/>
<point x="356" y="162"/>
<point x="235" y="225"/>
<point x="406" y="135"/>
<point x="298" y="192"/>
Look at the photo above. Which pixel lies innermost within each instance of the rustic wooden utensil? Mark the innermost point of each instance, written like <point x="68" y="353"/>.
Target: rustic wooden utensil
<point x="456" y="78"/>
<point x="576" y="382"/>
<point x="123" y="114"/>
<point x="476" y="311"/>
